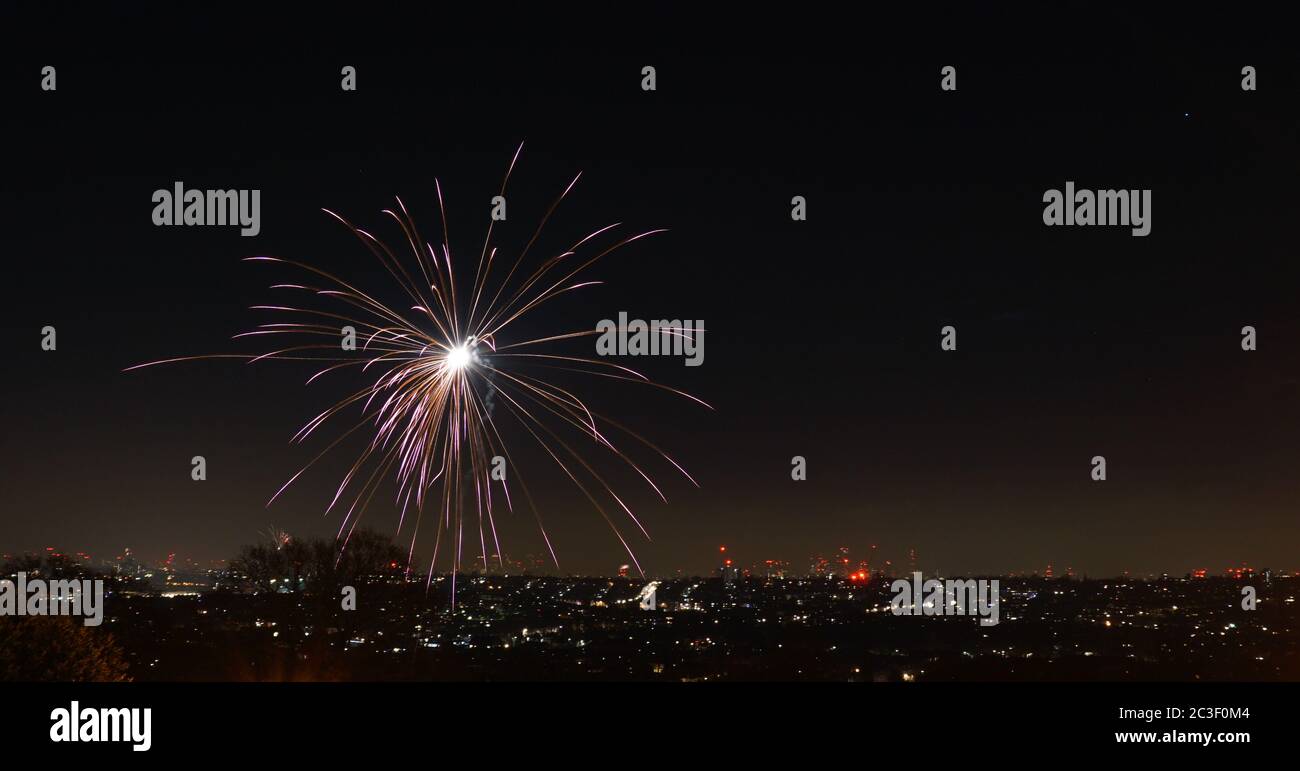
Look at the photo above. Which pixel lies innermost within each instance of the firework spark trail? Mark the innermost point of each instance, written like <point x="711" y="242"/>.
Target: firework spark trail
<point x="434" y="435"/>
<point x="279" y="539"/>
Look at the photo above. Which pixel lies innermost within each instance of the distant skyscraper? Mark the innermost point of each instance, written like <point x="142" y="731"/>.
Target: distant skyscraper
<point x="728" y="572"/>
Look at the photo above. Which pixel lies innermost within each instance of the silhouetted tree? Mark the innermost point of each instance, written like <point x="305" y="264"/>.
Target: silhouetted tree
<point x="260" y="564"/>
<point x="45" y="648"/>
<point x="321" y="564"/>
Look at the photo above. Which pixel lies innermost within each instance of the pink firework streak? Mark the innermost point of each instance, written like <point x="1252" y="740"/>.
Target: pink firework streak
<point x="433" y="365"/>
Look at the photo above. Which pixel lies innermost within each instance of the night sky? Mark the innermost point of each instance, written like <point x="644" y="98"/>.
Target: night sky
<point x="924" y="209"/>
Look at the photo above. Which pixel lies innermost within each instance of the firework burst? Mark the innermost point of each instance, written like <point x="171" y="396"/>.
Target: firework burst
<point x="437" y="369"/>
<point x="278" y="538"/>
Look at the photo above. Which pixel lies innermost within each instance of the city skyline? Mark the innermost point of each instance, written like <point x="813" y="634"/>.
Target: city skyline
<point x="842" y="562"/>
<point x="272" y="620"/>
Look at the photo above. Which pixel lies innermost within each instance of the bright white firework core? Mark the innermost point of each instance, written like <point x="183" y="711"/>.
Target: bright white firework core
<point x="458" y="358"/>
